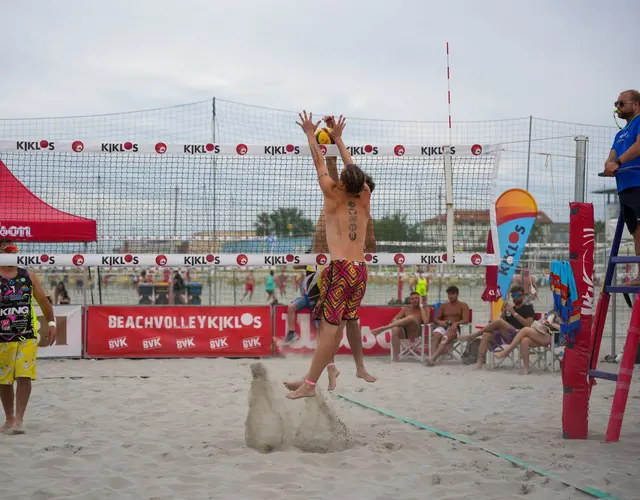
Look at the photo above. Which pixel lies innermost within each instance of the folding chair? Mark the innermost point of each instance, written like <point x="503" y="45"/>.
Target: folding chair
<point x="513" y="357"/>
<point x="456" y="348"/>
<point x="414" y="348"/>
<point x="544" y="358"/>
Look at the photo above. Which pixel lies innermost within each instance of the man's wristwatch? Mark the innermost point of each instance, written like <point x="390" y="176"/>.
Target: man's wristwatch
<point x="618" y="162"/>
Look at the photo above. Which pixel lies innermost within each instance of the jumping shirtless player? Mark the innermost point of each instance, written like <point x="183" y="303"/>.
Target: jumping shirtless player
<point x="344" y="280"/>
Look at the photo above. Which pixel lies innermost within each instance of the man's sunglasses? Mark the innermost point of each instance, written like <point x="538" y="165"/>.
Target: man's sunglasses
<point x="619" y="104"/>
<point x="516" y="295"/>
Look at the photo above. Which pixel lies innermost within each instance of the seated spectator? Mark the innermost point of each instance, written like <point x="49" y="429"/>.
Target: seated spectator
<point x="449" y="318"/>
<point x="503" y="330"/>
<point x="538" y="335"/>
<point x="407" y="324"/>
<point x="61" y="295"/>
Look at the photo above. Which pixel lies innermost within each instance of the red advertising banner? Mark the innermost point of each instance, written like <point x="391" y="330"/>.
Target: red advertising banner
<point x="370" y="317"/>
<point x="178" y="331"/>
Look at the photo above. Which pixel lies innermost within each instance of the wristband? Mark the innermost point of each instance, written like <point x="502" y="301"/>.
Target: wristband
<point x="52" y="323"/>
<point x="618" y="162"/>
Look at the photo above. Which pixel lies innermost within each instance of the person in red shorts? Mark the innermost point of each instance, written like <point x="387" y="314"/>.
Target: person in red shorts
<point x="344" y="280"/>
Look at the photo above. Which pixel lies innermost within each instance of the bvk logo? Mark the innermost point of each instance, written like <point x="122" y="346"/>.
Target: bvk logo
<point x="282" y="150"/>
<point x="363" y="150"/>
<point x="218" y="343"/>
<point x="273" y="260"/>
<point x="199" y="149"/>
<point x="188" y="343"/>
<point x="35" y="146"/>
<point x="152" y="343"/>
<point x="200" y="260"/>
<point x="116" y="147"/>
<point x="34" y="260"/>
<point x="436" y="150"/>
<point x="251" y="343"/>
<point x="118" y="343"/>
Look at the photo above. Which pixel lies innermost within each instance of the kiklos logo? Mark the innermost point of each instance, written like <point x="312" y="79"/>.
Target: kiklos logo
<point x="242" y="149"/>
<point x="398" y="259"/>
<point x="161" y="260"/>
<point x="77" y="146"/>
<point x="321" y="259"/>
<point x="78" y="260"/>
<point x="399" y="150"/>
<point x="242" y="260"/>
<point x="476" y="149"/>
<point x="161" y="148"/>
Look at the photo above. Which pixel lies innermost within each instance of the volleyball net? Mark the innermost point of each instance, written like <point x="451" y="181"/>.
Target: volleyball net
<point x="206" y="204"/>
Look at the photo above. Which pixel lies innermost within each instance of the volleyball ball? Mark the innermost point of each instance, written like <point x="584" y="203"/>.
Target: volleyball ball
<point x="323" y="137"/>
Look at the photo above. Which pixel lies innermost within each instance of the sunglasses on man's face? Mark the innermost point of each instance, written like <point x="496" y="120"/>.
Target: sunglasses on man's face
<point x="619" y="104"/>
<point x="516" y="295"/>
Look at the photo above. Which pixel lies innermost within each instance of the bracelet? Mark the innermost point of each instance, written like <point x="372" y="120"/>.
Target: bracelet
<point x="52" y="323"/>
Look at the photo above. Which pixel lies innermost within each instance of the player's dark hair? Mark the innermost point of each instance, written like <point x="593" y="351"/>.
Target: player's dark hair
<point x="453" y="289"/>
<point x="5" y="241"/>
<point x="352" y="178"/>
<point x="369" y="180"/>
<point x="516" y="289"/>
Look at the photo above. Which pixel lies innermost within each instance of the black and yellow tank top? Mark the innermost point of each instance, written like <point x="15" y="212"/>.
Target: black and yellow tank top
<point x="18" y="320"/>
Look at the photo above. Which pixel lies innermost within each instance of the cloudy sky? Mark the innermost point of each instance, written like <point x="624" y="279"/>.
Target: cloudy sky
<point x="563" y="60"/>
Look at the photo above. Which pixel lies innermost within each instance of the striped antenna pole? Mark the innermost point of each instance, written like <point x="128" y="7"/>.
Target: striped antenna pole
<point x="449" y="91"/>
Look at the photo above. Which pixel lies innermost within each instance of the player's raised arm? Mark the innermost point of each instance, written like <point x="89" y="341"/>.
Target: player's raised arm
<point x="308" y="127"/>
<point x="336" y="135"/>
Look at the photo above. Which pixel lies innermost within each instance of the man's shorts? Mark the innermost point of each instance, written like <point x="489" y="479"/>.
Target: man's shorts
<point x="18" y="360"/>
<point x="343" y="284"/>
<point x="499" y="338"/>
<point x="301" y="303"/>
<point x="630" y="202"/>
<point x="443" y="331"/>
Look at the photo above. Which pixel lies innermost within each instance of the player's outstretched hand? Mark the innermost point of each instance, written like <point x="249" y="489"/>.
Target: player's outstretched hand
<point x="306" y="123"/>
<point x="336" y="130"/>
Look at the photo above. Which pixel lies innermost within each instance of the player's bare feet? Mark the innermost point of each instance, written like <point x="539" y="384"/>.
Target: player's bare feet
<point x="304" y="391"/>
<point x="7" y="425"/>
<point x="16" y="428"/>
<point x="364" y="375"/>
<point x="501" y="354"/>
<point x="293" y="385"/>
<point x="378" y="331"/>
<point x="332" y="373"/>
<point x="634" y="282"/>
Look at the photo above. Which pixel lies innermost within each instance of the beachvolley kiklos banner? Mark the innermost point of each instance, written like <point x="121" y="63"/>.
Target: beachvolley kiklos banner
<point x="370" y="317"/>
<point x="516" y="213"/>
<point x="178" y="331"/>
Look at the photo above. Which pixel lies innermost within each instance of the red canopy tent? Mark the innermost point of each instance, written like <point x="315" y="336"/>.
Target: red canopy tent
<point x="25" y="217"/>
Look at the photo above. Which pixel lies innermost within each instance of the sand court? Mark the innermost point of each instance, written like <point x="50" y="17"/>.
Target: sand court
<point x="165" y="429"/>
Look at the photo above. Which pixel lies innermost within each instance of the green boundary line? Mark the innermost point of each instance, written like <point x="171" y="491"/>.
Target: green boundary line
<point x="538" y="470"/>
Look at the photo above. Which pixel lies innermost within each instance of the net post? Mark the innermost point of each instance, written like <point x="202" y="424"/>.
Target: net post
<point x="581" y="167"/>
<point x="448" y="176"/>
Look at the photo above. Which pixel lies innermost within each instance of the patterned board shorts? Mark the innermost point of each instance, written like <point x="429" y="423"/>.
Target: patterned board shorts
<point x="18" y="360"/>
<point x="342" y="287"/>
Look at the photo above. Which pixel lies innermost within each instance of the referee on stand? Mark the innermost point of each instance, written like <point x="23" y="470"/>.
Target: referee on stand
<point x="623" y="163"/>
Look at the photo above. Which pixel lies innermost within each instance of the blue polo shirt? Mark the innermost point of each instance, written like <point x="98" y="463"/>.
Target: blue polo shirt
<point x="627" y="177"/>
